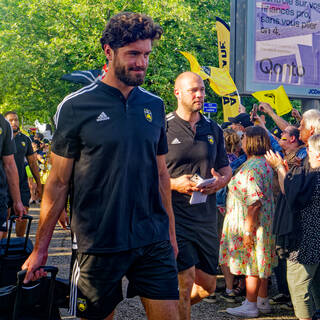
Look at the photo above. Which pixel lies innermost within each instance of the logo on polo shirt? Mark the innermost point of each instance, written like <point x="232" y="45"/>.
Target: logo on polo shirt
<point x="23" y="143"/>
<point x="82" y="304"/>
<point x="148" y="114"/>
<point x="102" y="117"/>
<point x="210" y="139"/>
<point x="176" y="141"/>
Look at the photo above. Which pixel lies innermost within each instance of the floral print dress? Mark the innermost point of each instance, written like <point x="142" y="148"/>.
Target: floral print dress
<point x="253" y="182"/>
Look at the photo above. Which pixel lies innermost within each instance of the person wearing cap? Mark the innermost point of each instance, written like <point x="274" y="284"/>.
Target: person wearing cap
<point x="240" y="122"/>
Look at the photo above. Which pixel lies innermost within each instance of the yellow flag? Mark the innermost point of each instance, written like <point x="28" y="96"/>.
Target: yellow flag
<point x="277" y="99"/>
<point x="230" y="103"/>
<point x="194" y="65"/>
<point x="220" y="79"/>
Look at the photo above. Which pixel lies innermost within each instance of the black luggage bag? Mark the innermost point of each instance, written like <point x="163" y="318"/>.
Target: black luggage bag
<point x="13" y="253"/>
<point x="33" y="301"/>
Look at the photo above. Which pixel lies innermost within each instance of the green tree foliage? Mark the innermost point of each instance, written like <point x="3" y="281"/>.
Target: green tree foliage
<point x="41" y="40"/>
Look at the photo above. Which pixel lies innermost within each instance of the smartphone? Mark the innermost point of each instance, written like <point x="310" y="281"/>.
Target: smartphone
<point x="254" y="112"/>
<point x="196" y="178"/>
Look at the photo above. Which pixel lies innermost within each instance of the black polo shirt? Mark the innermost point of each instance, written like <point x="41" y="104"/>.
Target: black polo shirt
<point x="24" y="149"/>
<point x="114" y="142"/>
<point x="191" y="153"/>
<point x="7" y="147"/>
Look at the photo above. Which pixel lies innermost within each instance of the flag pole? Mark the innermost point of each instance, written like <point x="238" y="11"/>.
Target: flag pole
<point x="239" y="96"/>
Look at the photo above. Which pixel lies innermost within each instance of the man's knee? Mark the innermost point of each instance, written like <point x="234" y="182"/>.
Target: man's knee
<point x="206" y="281"/>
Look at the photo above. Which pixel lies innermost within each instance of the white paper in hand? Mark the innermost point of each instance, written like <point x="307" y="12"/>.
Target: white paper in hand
<point x="198" y="197"/>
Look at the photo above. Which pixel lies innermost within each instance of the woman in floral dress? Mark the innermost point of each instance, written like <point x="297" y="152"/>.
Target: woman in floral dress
<point x="247" y="244"/>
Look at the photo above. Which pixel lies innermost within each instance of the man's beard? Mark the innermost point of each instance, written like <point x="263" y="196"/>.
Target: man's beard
<point x="128" y="79"/>
<point x="16" y="130"/>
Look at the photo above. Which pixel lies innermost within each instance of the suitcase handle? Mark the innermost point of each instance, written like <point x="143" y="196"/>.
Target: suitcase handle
<point x="12" y="218"/>
<point x="20" y="277"/>
<point x="53" y="270"/>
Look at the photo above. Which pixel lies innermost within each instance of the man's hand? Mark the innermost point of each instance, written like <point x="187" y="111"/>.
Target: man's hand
<point x="260" y="121"/>
<point x="274" y="159"/>
<point x="183" y="184"/>
<point x="266" y="108"/>
<point x="19" y="209"/>
<point x="296" y="114"/>
<point x="214" y="186"/>
<point x="33" y="263"/>
<point x="64" y="220"/>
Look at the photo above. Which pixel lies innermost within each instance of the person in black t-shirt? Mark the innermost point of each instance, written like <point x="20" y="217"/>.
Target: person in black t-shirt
<point x="24" y="152"/>
<point x="196" y="146"/>
<point x="8" y="175"/>
<point x="111" y="143"/>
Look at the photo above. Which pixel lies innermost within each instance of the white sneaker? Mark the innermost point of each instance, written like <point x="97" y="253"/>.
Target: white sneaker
<point x="264" y="305"/>
<point x="245" y="310"/>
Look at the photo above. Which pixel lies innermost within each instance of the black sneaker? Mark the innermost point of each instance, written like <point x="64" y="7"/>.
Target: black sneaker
<point x="280" y="299"/>
<point x="286" y="305"/>
<point x="211" y="299"/>
<point x="229" y="297"/>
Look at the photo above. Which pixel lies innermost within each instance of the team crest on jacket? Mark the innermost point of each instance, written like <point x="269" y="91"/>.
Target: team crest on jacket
<point x="210" y="139"/>
<point x="0" y="130"/>
<point x="23" y="143"/>
<point x="148" y="114"/>
<point x="82" y="304"/>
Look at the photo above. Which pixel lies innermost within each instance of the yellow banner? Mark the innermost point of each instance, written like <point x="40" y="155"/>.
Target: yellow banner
<point x="277" y="99"/>
<point x="230" y="103"/>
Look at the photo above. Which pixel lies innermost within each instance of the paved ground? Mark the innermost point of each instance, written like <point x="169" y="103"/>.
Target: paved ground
<point x="60" y="253"/>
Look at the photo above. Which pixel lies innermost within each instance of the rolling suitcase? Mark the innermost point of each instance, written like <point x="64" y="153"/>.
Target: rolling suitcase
<point x="33" y="301"/>
<point x="13" y="253"/>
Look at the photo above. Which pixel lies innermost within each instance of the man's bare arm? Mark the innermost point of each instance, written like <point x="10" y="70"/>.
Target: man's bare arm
<point x="53" y="202"/>
<point x="280" y="122"/>
<point x="11" y="171"/>
<point x="165" y="193"/>
<point x="33" y="164"/>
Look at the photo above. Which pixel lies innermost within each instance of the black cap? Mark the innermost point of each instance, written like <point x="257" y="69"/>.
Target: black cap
<point x="225" y="125"/>
<point x="243" y="119"/>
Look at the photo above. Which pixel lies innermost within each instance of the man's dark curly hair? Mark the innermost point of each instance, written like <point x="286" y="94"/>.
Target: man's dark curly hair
<point x="128" y="27"/>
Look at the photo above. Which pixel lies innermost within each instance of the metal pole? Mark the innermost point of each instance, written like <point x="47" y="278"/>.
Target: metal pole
<point x="307" y="104"/>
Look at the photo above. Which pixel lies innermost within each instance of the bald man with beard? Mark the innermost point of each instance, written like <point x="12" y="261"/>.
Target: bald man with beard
<point x="196" y="146"/>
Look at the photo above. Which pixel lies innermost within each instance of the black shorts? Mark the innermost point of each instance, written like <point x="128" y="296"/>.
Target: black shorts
<point x="25" y="198"/>
<point x="96" y="284"/>
<point x="3" y="217"/>
<point x="199" y="247"/>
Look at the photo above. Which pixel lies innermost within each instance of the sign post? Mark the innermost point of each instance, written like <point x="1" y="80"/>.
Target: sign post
<point x="210" y="108"/>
